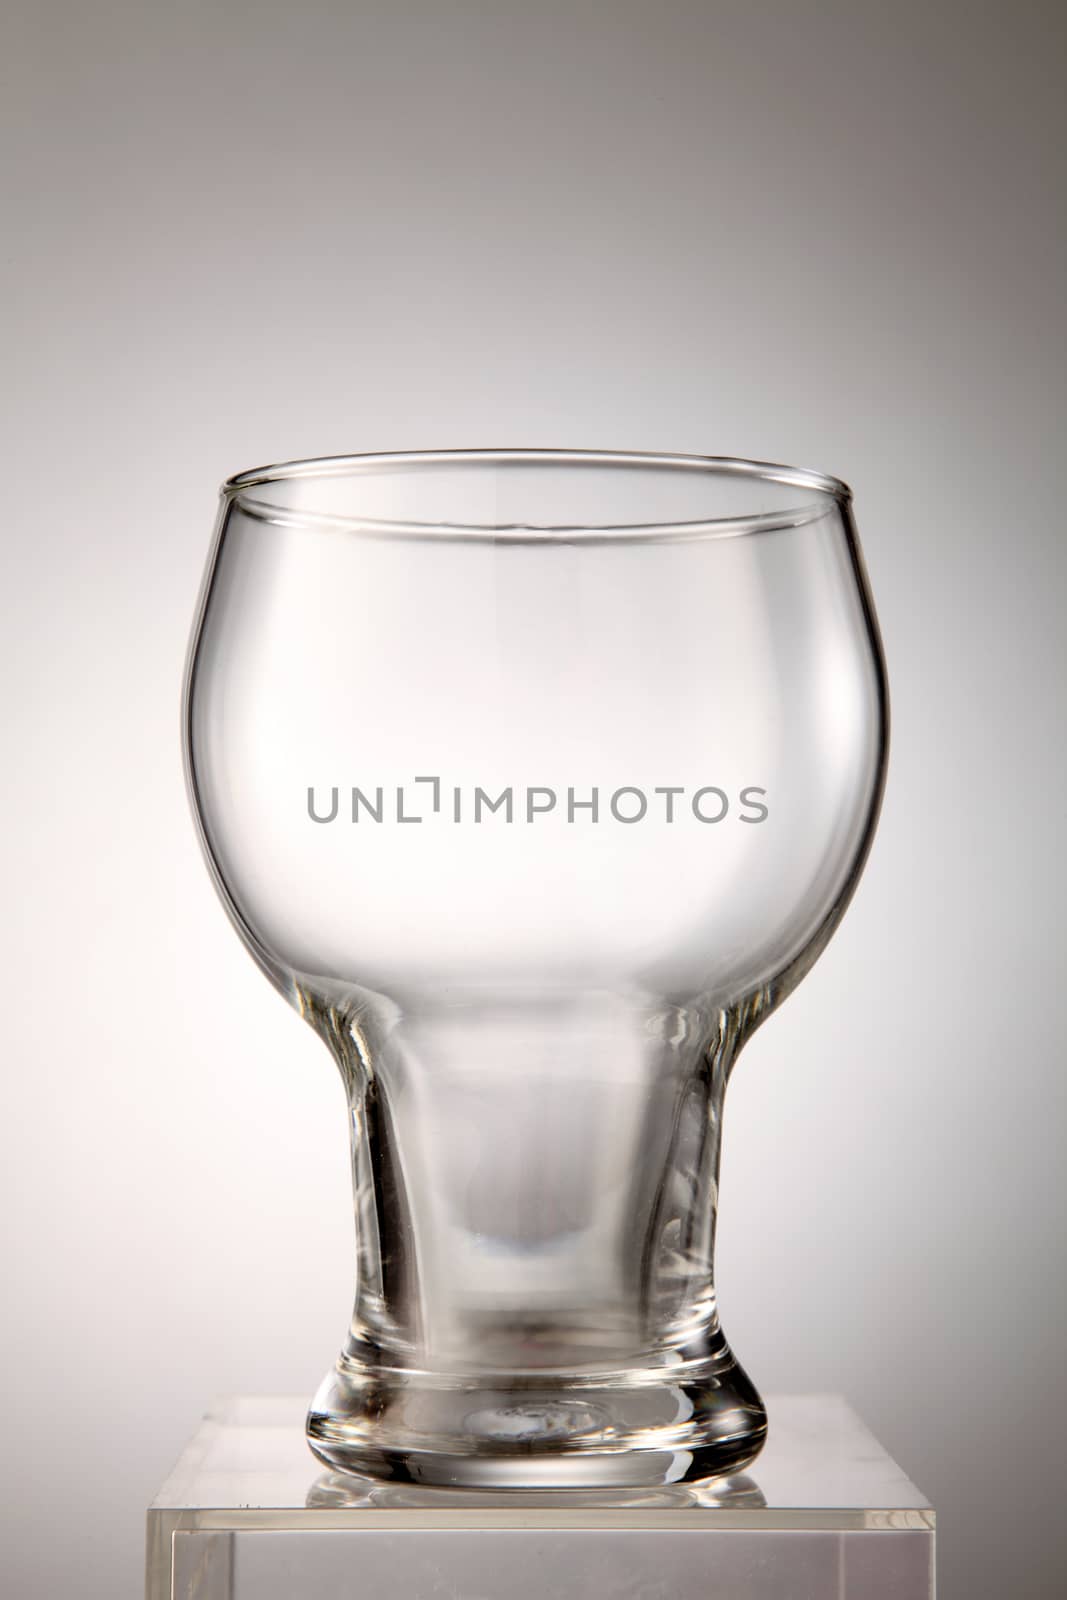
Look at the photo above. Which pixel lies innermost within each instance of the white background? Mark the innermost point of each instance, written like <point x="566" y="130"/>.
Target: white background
<point x="828" y="234"/>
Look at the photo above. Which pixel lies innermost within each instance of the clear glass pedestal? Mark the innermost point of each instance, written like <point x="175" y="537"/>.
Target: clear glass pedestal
<point x="824" y="1514"/>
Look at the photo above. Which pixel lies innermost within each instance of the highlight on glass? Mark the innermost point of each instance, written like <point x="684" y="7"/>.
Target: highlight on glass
<point x="535" y="780"/>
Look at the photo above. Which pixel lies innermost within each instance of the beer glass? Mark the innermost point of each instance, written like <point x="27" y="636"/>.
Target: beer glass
<point x="535" y="780"/>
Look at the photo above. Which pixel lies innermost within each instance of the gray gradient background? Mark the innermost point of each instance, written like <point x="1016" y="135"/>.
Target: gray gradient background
<point x="827" y="234"/>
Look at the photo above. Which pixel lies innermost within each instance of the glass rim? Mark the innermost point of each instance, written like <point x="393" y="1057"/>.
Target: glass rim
<point x="825" y="489"/>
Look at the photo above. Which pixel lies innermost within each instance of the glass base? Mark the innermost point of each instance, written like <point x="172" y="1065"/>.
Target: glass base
<point x="544" y="1431"/>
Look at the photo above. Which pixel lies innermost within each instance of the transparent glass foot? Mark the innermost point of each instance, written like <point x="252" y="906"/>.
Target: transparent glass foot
<point x="528" y="1431"/>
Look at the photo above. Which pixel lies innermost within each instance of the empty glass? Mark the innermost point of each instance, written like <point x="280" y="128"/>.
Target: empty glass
<point x="535" y="780"/>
